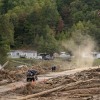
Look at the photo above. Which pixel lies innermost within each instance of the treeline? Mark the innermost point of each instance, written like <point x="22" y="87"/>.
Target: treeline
<point x="43" y="24"/>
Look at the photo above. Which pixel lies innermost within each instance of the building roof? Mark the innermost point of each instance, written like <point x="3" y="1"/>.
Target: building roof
<point x="26" y="51"/>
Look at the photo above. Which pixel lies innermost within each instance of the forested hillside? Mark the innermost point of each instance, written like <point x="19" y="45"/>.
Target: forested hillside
<point x="43" y="24"/>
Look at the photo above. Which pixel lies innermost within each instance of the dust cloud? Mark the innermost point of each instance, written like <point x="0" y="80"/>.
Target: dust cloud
<point x="82" y="49"/>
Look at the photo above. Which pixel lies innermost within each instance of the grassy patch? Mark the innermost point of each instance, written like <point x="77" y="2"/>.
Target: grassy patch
<point x="96" y="62"/>
<point x="13" y="63"/>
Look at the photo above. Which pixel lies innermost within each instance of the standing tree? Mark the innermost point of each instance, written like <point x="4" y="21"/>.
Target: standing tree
<point x="6" y="37"/>
<point x="4" y="48"/>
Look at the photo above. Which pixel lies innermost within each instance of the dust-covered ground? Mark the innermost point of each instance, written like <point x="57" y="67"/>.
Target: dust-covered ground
<point x="18" y="73"/>
<point x="83" y="85"/>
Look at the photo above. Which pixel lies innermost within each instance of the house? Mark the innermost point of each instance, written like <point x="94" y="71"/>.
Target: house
<point x="22" y="54"/>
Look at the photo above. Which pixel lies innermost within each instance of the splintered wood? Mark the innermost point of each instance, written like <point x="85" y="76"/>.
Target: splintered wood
<point x="84" y="85"/>
<point x="80" y="85"/>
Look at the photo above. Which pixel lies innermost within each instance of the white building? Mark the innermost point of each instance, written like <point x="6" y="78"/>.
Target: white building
<point x="22" y="54"/>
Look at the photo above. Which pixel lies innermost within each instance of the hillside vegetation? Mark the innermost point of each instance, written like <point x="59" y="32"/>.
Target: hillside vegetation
<point x="42" y="25"/>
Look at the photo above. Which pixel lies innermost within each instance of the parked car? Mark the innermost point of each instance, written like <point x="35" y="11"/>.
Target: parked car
<point x="48" y="57"/>
<point x="96" y="55"/>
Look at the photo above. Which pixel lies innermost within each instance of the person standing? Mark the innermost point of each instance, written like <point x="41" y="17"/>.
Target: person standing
<point x="53" y="68"/>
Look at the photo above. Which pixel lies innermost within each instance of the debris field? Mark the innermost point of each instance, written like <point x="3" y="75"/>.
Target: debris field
<point x="84" y="85"/>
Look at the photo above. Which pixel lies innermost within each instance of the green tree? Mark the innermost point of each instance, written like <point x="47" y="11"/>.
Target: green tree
<point x="6" y="28"/>
<point x="48" y="45"/>
<point x="79" y="32"/>
<point x="6" y="37"/>
<point x="4" y="48"/>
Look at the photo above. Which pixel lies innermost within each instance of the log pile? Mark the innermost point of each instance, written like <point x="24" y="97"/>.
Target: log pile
<point x="85" y="84"/>
<point x="80" y="85"/>
<point x="18" y="73"/>
<point x="10" y="75"/>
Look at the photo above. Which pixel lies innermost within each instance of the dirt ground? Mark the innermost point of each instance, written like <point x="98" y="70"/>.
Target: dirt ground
<point x="84" y="85"/>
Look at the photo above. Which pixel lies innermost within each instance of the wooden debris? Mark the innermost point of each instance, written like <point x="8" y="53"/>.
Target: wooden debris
<point x="4" y="82"/>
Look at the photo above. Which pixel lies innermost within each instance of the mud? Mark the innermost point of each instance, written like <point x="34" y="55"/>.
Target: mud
<point x="85" y="86"/>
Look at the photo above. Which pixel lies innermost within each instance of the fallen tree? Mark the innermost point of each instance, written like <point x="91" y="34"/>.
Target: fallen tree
<point x="67" y="87"/>
<point x="5" y="64"/>
<point x="41" y="93"/>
